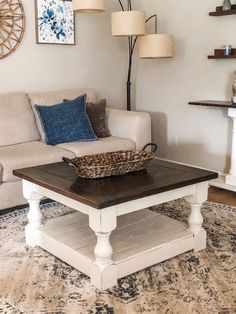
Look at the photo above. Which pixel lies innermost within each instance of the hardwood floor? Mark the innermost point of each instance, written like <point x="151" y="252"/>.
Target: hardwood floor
<point x="222" y="196"/>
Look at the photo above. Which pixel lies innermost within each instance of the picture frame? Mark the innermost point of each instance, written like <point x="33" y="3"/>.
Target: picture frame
<point x="54" y="22"/>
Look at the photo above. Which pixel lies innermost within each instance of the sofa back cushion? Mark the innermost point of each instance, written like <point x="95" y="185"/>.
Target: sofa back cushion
<point x="56" y="97"/>
<point x="17" y="122"/>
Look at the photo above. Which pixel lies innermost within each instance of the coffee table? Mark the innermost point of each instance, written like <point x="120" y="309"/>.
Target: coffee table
<point x="112" y="233"/>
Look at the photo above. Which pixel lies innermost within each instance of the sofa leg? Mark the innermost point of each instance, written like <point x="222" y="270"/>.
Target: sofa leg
<point x="34" y="215"/>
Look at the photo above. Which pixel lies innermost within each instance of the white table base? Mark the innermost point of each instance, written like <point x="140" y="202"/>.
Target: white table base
<point x="113" y="242"/>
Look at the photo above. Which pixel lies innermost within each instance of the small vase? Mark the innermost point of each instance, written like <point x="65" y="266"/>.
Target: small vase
<point x="226" y="5"/>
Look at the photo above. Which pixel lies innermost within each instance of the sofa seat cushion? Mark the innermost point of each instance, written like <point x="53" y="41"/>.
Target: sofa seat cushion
<point x="102" y="145"/>
<point x="28" y="155"/>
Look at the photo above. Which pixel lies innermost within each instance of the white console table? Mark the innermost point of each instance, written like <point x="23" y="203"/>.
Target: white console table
<point x="229" y="181"/>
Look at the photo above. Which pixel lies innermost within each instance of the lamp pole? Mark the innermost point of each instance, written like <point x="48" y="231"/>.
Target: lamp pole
<point x="131" y="46"/>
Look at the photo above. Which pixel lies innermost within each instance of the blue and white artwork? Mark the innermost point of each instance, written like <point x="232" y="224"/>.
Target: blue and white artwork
<point x="55" y="22"/>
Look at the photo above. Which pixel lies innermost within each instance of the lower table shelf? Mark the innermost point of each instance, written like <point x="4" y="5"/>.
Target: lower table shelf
<point x="141" y="239"/>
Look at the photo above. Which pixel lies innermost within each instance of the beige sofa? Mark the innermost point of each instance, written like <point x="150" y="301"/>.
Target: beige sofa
<point x="20" y="144"/>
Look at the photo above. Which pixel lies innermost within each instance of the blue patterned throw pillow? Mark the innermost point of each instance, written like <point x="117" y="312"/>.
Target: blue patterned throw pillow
<point x="66" y="122"/>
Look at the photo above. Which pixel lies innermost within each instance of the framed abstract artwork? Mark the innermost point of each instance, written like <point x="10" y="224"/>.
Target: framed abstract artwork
<point x="55" y="22"/>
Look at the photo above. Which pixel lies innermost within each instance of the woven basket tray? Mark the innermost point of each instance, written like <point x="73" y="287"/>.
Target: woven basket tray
<point x="111" y="164"/>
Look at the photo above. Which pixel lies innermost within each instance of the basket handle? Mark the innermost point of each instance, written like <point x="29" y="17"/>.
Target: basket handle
<point x="153" y="145"/>
<point x="68" y="161"/>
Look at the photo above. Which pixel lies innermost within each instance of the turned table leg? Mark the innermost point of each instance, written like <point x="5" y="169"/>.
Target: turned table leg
<point x="103" y="249"/>
<point x="103" y="271"/>
<point x="195" y="218"/>
<point x="34" y="215"/>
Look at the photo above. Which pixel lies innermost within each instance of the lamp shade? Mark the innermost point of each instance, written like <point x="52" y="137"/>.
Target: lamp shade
<point x="88" y="6"/>
<point x="128" y="23"/>
<point x="156" y="46"/>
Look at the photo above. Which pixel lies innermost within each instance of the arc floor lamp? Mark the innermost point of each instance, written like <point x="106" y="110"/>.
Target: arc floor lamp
<point x="131" y="24"/>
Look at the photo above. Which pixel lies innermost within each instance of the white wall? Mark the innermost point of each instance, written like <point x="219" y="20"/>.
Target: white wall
<point x="96" y="60"/>
<point x="164" y="87"/>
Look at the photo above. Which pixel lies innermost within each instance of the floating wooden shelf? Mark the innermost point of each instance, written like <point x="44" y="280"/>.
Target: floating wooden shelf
<point x="213" y="103"/>
<point x="219" y="54"/>
<point x="220" y="12"/>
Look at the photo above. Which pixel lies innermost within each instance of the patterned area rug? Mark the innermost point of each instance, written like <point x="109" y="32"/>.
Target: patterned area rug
<point x="33" y="281"/>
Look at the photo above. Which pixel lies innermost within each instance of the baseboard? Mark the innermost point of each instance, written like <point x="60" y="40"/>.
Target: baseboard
<point x="220" y="182"/>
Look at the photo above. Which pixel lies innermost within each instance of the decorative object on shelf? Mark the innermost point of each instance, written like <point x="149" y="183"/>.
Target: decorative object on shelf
<point x="131" y="24"/>
<point x="220" y="54"/>
<point x="219" y="11"/>
<point x="234" y="89"/>
<point x="112" y="163"/>
<point x="227" y="50"/>
<point x="226" y="5"/>
<point x="55" y="22"/>
<point x="12" y="26"/>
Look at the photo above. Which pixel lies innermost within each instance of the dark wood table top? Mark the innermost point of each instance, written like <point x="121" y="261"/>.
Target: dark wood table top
<point x="159" y="177"/>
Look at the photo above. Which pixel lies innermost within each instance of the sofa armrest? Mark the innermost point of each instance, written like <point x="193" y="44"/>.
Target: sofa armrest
<point x="130" y="124"/>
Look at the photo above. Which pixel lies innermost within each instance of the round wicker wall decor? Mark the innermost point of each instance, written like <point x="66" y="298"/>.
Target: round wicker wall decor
<point x="12" y="26"/>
